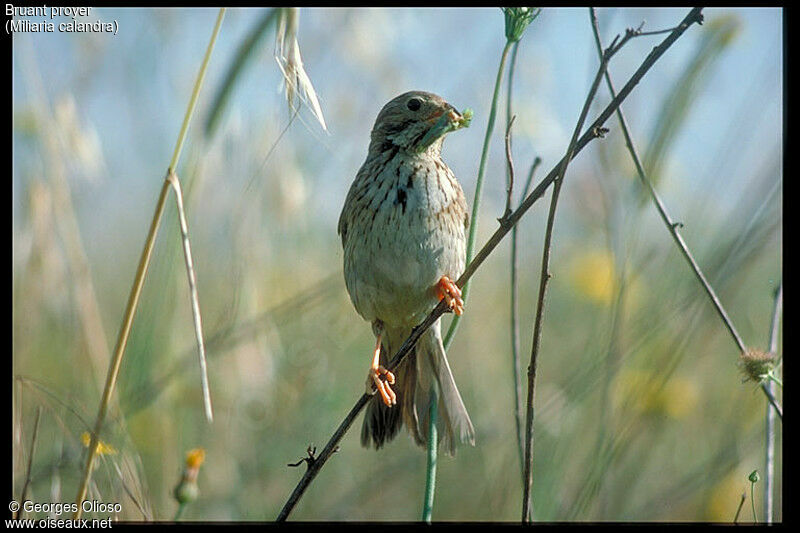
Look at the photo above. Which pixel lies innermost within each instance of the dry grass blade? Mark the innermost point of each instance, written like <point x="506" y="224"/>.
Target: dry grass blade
<point x="287" y="54"/>
<point x="198" y="322"/>
<point x="138" y="283"/>
<point x="24" y="494"/>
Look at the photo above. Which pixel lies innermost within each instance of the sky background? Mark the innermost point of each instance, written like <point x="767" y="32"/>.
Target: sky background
<point x="132" y="88"/>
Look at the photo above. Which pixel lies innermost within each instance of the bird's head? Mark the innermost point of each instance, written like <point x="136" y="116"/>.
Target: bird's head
<point x="416" y="121"/>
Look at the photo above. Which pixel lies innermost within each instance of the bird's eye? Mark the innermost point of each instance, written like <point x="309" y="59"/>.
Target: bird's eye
<point x="414" y="104"/>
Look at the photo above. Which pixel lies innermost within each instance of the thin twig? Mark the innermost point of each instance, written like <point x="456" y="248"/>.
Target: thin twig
<point x="592" y="132"/>
<point x="515" y="347"/>
<point x="647" y="33"/>
<point x="769" y="470"/>
<point x="510" y="163"/>
<point x="146" y="515"/>
<point x="673" y="226"/>
<point x="138" y="283"/>
<point x="545" y="276"/>
<point x="509" y="120"/>
<point x="314" y="467"/>
<point x="196" y="316"/>
<point x="514" y="325"/>
<point x="31" y="452"/>
<point x="430" y="469"/>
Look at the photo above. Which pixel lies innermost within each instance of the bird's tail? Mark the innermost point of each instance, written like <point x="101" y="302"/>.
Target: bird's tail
<point x="422" y="373"/>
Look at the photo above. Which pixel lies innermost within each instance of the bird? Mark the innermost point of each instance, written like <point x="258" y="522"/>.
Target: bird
<point x="403" y="229"/>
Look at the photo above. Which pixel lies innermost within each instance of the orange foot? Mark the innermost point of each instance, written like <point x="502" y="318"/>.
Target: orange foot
<point x="449" y="291"/>
<point x="380" y="378"/>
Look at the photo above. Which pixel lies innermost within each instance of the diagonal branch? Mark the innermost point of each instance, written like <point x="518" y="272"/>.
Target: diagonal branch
<point x="591" y="133"/>
<point x="673" y="226"/>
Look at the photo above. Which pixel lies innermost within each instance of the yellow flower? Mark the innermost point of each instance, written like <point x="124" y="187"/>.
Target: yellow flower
<point x="593" y="274"/>
<point x="102" y="447"/>
<point x="679" y="396"/>
<point x="187" y="490"/>
<point x="645" y="394"/>
<point x="195" y="458"/>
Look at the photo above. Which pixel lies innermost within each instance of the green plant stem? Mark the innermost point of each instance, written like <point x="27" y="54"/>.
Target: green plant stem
<point x="509" y="120"/>
<point x="430" y="471"/>
<point x="774" y="380"/>
<point x="179" y="512"/>
<point x="138" y="282"/>
<point x="430" y="481"/>
<point x="753" y="501"/>
<point x="769" y="460"/>
<point x="476" y="202"/>
<point x="514" y="322"/>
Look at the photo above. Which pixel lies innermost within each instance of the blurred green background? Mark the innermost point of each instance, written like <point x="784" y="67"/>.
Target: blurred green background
<point x="641" y="412"/>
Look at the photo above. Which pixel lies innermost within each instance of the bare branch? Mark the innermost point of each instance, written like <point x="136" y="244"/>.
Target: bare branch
<point x="515" y="348"/>
<point x="510" y="163"/>
<point x="545" y="276"/>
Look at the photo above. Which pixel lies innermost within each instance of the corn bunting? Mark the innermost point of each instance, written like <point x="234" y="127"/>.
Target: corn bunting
<point x="403" y="228"/>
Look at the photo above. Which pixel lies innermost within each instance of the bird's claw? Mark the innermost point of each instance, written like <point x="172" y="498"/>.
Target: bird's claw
<point x="449" y="291"/>
<point x="378" y="380"/>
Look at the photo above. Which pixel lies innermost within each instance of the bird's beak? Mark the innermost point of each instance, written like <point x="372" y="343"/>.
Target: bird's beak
<point x="451" y="112"/>
<point x="443" y="122"/>
<point x="454" y="115"/>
